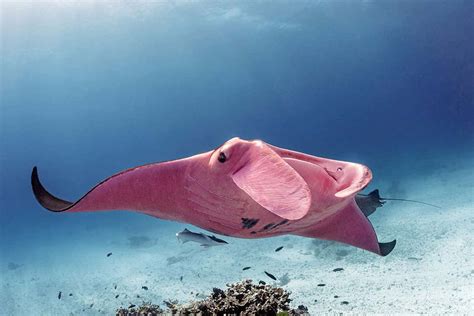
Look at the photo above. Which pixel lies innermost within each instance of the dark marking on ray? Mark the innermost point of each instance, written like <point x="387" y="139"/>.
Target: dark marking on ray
<point x="248" y="223"/>
<point x="268" y="226"/>
<point x="280" y="223"/>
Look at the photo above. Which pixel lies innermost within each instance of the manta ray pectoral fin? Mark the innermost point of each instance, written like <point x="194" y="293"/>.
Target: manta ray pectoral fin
<point x="349" y="226"/>
<point x="125" y="190"/>
<point x="46" y="199"/>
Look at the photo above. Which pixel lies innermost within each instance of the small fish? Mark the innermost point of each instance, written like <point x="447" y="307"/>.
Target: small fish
<point x="246" y="268"/>
<point x="132" y="306"/>
<point x="170" y="304"/>
<point x="109" y="254"/>
<point x="344" y="303"/>
<point x="59" y="295"/>
<point x="261" y="282"/>
<point x="271" y="276"/>
<point x="115" y="286"/>
<point x="181" y="278"/>
<point x="13" y="266"/>
<point x="321" y="284"/>
<point x="70" y="294"/>
<point x="278" y="249"/>
<point x="90" y="306"/>
<point x="338" y="269"/>
<point x="200" y="238"/>
<point x="116" y="296"/>
<point x="145" y="288"/>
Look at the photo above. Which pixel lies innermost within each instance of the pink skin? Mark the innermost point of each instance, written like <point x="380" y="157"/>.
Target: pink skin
<point x="258" y="191"/>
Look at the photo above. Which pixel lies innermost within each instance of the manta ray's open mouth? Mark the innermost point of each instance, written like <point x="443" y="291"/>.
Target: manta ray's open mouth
<point x="333" y="174"/>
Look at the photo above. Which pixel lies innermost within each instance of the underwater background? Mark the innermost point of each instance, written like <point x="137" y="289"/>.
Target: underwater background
<point x="89" y="88"/>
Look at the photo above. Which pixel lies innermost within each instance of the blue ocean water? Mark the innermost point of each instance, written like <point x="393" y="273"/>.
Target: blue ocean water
<point x="91" y="88"/>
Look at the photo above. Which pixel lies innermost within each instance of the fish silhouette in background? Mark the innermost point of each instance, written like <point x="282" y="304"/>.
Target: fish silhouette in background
<point x="200" y="238"/>
<point x="246" y="189"/>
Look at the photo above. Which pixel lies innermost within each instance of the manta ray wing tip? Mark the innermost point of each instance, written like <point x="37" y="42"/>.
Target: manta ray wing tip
<point x="46" y="199"/>
<point x="34" y="173"/>
<point x="387" y="247"/>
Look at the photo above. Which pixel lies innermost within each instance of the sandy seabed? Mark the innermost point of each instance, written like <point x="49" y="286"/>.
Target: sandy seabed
<point x="430" y="271"/>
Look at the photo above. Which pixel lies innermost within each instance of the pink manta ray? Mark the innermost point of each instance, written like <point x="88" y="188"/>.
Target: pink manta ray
<point x="246" y="189"/>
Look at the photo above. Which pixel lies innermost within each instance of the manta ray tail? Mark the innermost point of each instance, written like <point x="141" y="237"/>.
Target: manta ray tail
<point x="367" y="202"/>
<point x="46" y="199"/>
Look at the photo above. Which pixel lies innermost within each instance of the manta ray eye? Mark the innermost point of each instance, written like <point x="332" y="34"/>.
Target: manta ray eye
<point x="222" y="158"/>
